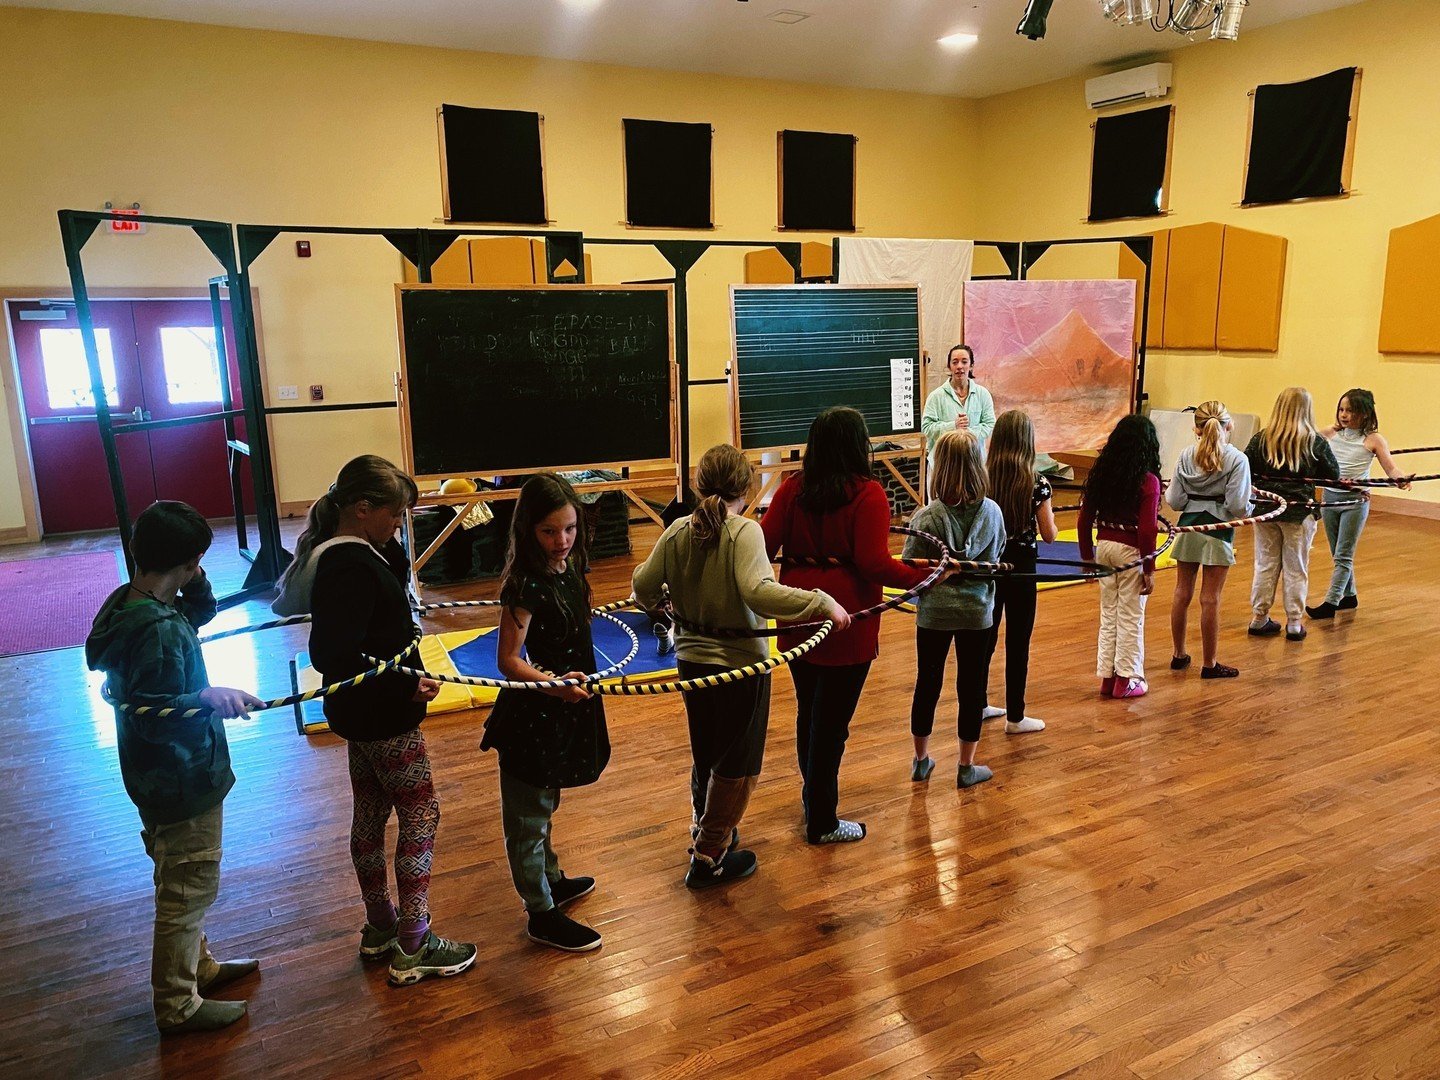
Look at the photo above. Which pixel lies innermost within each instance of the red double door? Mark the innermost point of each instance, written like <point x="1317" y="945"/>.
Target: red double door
<point x="159" y="361"/>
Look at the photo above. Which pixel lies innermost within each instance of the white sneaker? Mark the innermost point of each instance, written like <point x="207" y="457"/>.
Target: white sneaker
<point x="1027" y="724"/>
<point x="990" y="712"/>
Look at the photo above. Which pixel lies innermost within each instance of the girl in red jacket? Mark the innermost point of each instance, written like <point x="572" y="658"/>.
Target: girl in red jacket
<point x="834" y="507"/>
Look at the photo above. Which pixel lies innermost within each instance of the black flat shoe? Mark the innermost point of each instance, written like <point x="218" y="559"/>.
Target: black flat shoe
<point x="1349" y="603"/>
<point x="1323" y="610"/>
<point x="1295" y="635"/>
<point x="1179" y="663"/>
<point x="1269" y="628"/>
<point x="1219" y="671"/>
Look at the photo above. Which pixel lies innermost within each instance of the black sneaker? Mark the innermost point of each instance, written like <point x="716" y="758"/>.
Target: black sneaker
<point x="559" y="931"/>
<point x="705" y="872"/>
<point x="567" y="889"/>
<point x="1322" y="610"/>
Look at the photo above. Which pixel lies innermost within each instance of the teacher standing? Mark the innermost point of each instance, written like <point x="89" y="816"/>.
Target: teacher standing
<point x="961" y="404"/>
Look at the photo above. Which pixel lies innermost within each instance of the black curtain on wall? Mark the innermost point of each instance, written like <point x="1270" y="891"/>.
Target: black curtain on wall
<point x="817" y="181"/>
<point x="1298" y="135"/>
<point x="1127" y="165"/>
<point x="668" y="174"/>
<point x="493" y="166"/>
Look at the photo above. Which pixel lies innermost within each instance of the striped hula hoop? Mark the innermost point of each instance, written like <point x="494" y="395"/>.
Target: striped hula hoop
<point x="274" y="703"/>
<point x="627" y="689"/>
<point x="866" y="613"/>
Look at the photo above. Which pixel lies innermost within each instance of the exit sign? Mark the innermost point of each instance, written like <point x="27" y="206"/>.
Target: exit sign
<point x="121" y="227"/>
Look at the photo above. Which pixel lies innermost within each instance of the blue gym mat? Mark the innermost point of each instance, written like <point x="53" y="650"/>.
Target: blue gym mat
<point x="477" y="657"/>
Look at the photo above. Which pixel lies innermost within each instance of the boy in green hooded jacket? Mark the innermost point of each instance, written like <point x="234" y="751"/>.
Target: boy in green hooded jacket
<point x="176" y="769"/>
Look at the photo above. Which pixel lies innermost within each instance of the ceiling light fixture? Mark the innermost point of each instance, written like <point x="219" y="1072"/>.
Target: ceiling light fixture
<point x="1186" y="17"/>
<point x="1032" y="23"/>
<point x="958" y="41"/>
<point x="788" y="16"/>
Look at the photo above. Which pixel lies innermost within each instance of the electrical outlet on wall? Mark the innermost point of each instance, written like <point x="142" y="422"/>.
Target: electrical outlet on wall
<point x="287" y="393"/>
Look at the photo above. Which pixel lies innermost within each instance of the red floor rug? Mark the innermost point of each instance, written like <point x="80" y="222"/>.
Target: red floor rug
<point x="50" y="603"/>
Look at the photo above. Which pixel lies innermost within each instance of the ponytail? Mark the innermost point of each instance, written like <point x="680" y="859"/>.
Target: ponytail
<point x="368" y="478"/>
<point x="1210" y="420"/>
<point x="724" y="473"/>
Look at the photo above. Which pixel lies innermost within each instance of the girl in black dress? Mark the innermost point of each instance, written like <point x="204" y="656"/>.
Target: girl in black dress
<point x="547" y="739"/>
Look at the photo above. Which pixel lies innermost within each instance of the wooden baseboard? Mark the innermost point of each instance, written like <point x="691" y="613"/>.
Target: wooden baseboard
<point x="16" y="534"/>
<point x="295" y="509"/>
<point x="1418" y="508"/>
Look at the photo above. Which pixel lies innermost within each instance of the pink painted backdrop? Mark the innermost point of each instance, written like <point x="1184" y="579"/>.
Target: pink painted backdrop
<point x="1061" y="350"/>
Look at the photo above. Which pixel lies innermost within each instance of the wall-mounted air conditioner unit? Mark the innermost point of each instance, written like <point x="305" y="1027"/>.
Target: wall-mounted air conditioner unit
<point x="1119" y="87"/>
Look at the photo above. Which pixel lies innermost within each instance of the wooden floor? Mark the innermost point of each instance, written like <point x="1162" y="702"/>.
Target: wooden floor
<point x="1222" y="879"/>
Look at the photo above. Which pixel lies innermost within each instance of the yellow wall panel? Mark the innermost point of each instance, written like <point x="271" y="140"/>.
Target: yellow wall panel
<point x="1252" y="284"/>
<point x="817" y="260"/>
<point x="1409" y="314"/>
<point x="452" y="268"/>
<point x="503" y="260"/>
<point x="768" y="267"/>
<point x="1192" y="286"/>
<point x="1131" y="267"/>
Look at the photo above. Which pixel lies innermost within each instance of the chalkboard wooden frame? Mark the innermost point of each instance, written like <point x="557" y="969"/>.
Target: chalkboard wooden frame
<point x="670" y="461"/>
<point x="912" y="444"/>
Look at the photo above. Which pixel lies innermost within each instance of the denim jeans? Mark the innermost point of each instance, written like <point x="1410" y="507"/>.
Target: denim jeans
<point x="525" y="813"/>
<point x="1342" y="530"/>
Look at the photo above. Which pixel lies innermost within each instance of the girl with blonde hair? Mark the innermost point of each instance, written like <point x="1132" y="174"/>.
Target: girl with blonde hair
<point x="1281" y="455"/>
<point x="1211" y="484"/>
<point x="958" y="611"/>
<point x="719" y="576"/>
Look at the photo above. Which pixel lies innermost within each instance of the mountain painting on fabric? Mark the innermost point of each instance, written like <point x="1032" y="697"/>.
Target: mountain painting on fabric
<point x="1064" y="351"/>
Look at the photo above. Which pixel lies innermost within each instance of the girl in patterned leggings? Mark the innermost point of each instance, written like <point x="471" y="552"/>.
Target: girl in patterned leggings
<point x="349" y="573"/>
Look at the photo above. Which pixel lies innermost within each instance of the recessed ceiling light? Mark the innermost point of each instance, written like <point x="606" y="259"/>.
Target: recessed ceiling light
<point x="788" y="17"/>
<point x="958" y="41"/>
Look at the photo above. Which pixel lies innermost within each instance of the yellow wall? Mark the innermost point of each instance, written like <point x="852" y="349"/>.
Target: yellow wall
<point x="1035" y="157"/>
<point x="254" y="126"/>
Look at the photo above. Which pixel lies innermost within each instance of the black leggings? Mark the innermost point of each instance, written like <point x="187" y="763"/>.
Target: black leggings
<point x="930" y="649"/>
<point x="1015" y="601"/>
<point x="825" y="698"/>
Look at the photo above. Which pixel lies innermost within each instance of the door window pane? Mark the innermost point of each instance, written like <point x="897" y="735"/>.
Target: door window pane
<point x="67" y="377"/>
<point x="192" y="367"/>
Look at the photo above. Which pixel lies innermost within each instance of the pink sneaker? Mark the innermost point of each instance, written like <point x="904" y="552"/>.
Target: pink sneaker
<point x="1130" y="688"/>
<point x="1107" y="686"/>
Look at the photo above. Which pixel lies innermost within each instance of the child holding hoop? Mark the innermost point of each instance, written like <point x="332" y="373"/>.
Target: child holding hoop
<point x="1122" y="498"/>
<point x="958" y="611"/>
<point x="1211" y="484"/>
<point x="1282" y="454"/>
<point x="718" y="575"/>
<point x="1355" y="440"/>
<point x="350" y="573"/>
<point x="834" y="507"/>
<point x="547" y="739"/>
<point x="1024" y="499"/>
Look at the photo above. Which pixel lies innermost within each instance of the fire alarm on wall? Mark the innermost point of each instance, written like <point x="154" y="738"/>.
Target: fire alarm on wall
<point x="317" y="392"/>
<point x="302" y="249"/>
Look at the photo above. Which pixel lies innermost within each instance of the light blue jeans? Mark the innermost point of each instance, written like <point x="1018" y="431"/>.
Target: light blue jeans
<point x="1342" y="530"/>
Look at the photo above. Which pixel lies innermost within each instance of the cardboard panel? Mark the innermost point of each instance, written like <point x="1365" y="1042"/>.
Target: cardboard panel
<point x="1131" y="267"/>
<point x="768" y="267"/>
<point x="1192" y="286"/>
<point x="817" y="260"/>
<point x="1409" y="315"/>
<point x="452" y="268"/>
<point x="504" y="260"/>
<point x="1252" y="283"/>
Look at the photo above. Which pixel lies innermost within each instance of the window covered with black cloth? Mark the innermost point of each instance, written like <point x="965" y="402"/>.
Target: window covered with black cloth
<point x="667" y="174"/>
<point x="817" y="181"/>
<point x="1127" y="165"/>
<point x="1298" y="136"/>
<point x="492" y="166"/>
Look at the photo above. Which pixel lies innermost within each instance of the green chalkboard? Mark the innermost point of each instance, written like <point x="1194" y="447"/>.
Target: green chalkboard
<point x="548" y="377"/>
<point x="803" y="348"/>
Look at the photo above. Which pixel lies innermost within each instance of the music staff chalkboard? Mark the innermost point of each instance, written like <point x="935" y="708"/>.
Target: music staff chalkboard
<point x="803" y="348"/>
<point x="520" y="379"/>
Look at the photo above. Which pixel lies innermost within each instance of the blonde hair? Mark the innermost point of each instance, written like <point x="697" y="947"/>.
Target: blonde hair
<point x="960" y="476"/>
<point x="1211" y="418"/>
<point x="1288" y="437"/>
<point x="367" y="478"/>
<point x="1010" y="466"/>
<point x="724" y="473"/>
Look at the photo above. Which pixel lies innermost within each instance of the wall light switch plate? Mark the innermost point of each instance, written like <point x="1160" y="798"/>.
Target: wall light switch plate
<point x="317" y="392"/>
<point x="288" y="393"/>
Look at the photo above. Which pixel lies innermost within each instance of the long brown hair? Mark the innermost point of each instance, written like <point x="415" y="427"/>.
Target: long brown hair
<point x="837" y="453"/>
<point x="959" y="469"/>
<point x="1010" y="461"/>
<point x="724" y="473"/>
<point x="367" y="478"/>
<point x="1210" y="420"/>
<point x="541" y="496"/>
<point x="1362" y="403"/>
